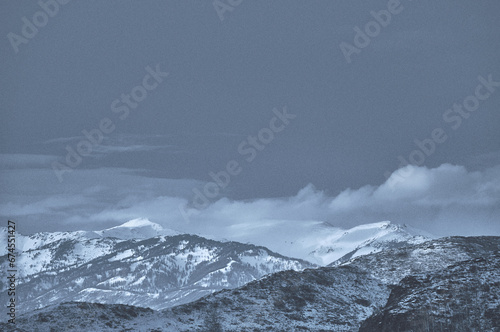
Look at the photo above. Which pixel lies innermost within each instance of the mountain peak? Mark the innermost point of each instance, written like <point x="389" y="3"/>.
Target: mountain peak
<point x="139" y="228"/>
<point x="366" y="239"/>
<point x="139" y="222"/>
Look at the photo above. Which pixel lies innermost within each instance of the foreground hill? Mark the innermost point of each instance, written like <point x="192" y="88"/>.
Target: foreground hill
<point x="462" y="297"/>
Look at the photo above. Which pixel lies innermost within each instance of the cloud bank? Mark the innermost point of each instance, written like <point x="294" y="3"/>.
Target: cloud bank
<point x="447" y="200"/>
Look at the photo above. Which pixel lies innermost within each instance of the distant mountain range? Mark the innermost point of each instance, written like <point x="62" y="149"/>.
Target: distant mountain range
<point x="448" y="284"/>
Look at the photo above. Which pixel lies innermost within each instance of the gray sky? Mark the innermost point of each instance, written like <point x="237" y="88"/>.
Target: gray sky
<point x="351" y="120"/>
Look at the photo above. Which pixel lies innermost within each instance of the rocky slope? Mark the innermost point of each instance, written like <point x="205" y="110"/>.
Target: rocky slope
<point x="462" y="297"/>
<point x="391" y="266"/>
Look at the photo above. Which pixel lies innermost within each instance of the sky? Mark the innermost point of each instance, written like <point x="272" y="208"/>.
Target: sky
<point x="196" y="114"/>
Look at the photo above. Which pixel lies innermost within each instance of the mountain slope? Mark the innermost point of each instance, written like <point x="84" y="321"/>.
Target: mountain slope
<point x="325" y="298"/>
<point x="462" y="297"/>
<point x="294" y="302"/>
<point x="368" y="239"/>
<point x="87" y="317"/>
<point x="392" y="265"/>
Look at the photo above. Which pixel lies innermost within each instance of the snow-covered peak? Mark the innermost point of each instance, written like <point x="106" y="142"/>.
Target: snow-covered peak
<point x="140" y="222"/>
<point x="140" y="228"/>
<point x="369" y="238"/>
<point x="321" y="242"/>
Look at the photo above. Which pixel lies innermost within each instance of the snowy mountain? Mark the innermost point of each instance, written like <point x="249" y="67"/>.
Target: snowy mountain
<point x="37" y="240"/>
<point x="60" y="250"/>
<point x="140" y="228"/>
<point x="157" y="272"/>
<point x="451" y="284"/>
<point x="321" y="243"/>
<point x="393" y="265"/>
<point x="141" y="263"/>
<point x="317" y="242"/>
<point x="339" y="298"/>
<point x="367" y="239"/>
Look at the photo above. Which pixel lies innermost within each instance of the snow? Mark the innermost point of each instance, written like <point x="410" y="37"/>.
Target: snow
<point x="140" y="228"/>
<point x="139" y="222"/>
<point x="315" y="241"/>
<point x="122" y="255"/>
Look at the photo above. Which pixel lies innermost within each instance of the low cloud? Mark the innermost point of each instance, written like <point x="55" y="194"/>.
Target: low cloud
<point x="20" y="161"/>
<point x="118" y="143"/>
<point x="447" y="200"/>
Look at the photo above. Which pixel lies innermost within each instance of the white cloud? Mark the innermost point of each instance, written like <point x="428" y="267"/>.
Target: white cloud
<point x="447" y="200"/>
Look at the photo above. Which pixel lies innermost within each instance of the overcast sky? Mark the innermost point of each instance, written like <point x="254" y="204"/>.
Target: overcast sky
<point x="306" y="116"/>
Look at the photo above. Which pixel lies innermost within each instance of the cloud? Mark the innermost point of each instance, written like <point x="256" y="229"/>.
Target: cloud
<point x="126" y="148"/>
<point x="17" y="161"/>
<point x="117" y="143"/>
<point x="447" y="200"/>
<point x="40" y="202"/>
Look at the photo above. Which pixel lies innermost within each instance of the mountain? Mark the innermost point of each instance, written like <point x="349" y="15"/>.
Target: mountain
<point x="330" y="299"/>
<point x="37" y="240"/>
<point x="341" y="297"/>
<point x="140" y="228"/>
<point x="60" y="250"/>
<point x="391" y="266"/>
<point x="450" y="284"/>
<point x="308" y="299"/>
<point x="316" y="242"/>
<point x="321" y="243"/>
<point x="367" y="239"/>
<point x="158" y="272"/>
